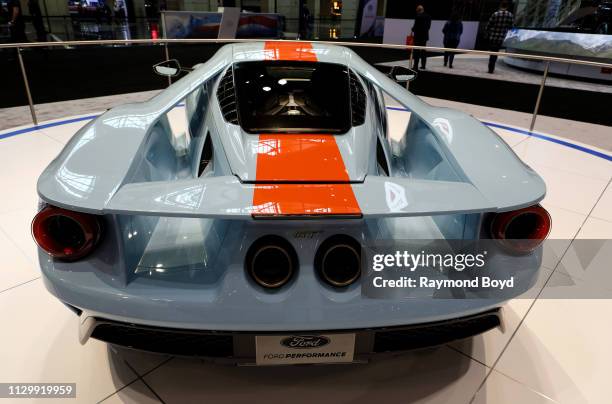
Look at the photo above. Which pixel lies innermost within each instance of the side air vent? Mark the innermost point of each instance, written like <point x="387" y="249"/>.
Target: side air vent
<point x="227" y="97"/>
<point x="380" y="157"/>
<point x="207" y="155"/>
<point x="358" y="100"/>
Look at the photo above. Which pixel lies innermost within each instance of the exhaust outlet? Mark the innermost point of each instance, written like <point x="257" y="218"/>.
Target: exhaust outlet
<point x="338" y="261"/>
<point x="271" y="262"/>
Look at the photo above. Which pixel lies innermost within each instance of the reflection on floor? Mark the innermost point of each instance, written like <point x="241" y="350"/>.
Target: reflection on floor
<point x="551" y="350"/>
<point x="18" y="116"/>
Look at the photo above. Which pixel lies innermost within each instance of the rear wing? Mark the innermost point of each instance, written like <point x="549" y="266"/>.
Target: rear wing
<point x="227" y="198"/>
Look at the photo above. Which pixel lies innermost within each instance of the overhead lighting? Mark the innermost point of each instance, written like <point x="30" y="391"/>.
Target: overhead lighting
<point x="282" y="82"/>
<point x="266" y="88"/>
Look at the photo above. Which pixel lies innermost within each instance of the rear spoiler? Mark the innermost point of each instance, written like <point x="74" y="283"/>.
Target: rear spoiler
<point x="93" y="171"/>
<point x="227" y="198"/>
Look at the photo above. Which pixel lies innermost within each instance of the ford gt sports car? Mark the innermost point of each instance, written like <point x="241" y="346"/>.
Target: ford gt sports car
<point x="240" y="237"/>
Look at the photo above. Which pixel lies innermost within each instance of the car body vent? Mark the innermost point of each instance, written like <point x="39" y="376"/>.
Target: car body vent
<point x="381" y="158"/>
<point x="206" y="156"/>
<point x="358" y="100"/>
<point x="227" y="97"/>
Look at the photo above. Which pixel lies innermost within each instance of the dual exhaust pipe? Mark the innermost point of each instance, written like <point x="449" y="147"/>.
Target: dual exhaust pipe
<point x="272" y="261"/>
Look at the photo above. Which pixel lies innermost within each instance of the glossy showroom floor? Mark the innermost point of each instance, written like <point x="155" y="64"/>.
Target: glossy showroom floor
<point x="551" y="350"/>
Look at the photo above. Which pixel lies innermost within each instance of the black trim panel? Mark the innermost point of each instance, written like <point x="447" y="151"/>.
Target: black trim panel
<point x="220" y="344"/>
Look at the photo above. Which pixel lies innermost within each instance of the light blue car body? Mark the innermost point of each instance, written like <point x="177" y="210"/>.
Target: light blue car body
<point x="174" y="244"/>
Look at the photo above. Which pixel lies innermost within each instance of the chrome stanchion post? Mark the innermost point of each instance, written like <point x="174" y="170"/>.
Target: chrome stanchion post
<point x="409" y="66"/>
<point x="27" y="86"/>
<point x="539" y="99"/>
<point x="166" y="51"/>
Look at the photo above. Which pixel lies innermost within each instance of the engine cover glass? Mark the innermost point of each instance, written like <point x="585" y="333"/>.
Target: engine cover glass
<point x="292" y="97"/>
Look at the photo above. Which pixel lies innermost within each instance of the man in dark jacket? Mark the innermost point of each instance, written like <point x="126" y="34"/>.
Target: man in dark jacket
<point x="420" y="30"/>
<point x="452" y="36"/>
<point x="16" y="22"/>
<point x="497" y="28"/>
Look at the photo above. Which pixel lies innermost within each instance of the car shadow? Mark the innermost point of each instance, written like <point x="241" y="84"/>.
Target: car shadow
<point x="437" y="374"/>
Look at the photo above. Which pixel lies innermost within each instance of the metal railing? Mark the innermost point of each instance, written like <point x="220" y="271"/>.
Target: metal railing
<point x="165" y="42"/>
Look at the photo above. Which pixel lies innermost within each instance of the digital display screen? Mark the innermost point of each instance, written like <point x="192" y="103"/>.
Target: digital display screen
<point x="564" y="44"/>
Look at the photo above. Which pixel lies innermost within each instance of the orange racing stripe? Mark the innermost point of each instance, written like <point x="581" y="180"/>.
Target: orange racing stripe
<point x="299" y="158"/>
<point x="289" y="50"/>
<point x="309" y="161"/>
<point x="304" y="199"/>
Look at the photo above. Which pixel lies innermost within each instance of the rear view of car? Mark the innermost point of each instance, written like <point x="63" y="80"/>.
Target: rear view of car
<point x="249" y="237"/>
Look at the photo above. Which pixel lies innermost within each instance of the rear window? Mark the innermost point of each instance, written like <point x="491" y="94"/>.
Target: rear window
<point x="292" y="97"/>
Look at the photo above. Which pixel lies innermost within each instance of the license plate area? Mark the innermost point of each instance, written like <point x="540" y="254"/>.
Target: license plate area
<point x="304" y="349"/>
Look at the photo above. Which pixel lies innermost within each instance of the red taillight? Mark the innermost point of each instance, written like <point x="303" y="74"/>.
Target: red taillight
<point x="65" y="234"/>
<point x="521" y="231"/>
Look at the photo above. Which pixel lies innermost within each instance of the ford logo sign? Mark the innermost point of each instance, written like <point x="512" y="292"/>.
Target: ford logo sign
<point x="305" y="341"/>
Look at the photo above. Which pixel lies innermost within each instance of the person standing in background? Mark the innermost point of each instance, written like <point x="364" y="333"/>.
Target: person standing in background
<point x="16" y="22"/>
<point x="497" y="28"/>
<point x="420" y="30"/>
<point x="304" y="22"/>
<point x="37" y="20"/>
<point x="452" y="36"/>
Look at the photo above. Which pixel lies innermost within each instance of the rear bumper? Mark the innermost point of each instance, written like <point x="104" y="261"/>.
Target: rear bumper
<point x="232" y="304"/>
<point x="239" y="347"/>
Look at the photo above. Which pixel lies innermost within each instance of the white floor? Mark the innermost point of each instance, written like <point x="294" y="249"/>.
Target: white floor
<point x="552" y="350"/>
